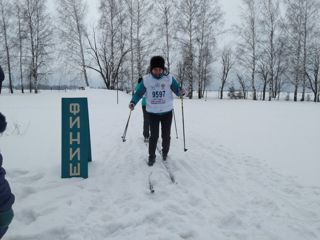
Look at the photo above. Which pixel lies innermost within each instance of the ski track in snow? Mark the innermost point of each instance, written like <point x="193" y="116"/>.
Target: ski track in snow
<point x="218" y="195"/>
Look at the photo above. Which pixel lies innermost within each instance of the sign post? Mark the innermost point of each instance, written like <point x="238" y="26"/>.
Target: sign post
<point x="76" y="147"/>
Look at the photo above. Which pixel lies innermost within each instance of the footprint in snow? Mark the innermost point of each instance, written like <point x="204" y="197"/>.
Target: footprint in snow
<point x="27" y="216"/>
<point x="16" y="173"/>
<point x="25" y="192"/>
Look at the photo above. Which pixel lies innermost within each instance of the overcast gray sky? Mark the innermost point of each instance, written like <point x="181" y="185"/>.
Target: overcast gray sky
<point x="232" y="11"/>
<point x="230" y="7"/>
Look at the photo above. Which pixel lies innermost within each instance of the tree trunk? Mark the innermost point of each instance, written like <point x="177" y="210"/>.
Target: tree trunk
<point x="4" y="26"/>
<point x="295" y="97"/>
<point x="264" y="90"/>
<point x="167" y="37"/>
<point x="20" y="50"/>
<point x="305" y="32"/>
<point x="9" y="64"/>
<point x="83" y="65"/>
<point x="221" y="91"/>
<point x="131" y="47"/>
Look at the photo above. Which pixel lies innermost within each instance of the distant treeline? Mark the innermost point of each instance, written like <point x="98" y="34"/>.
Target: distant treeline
<point x="274" y="44"/>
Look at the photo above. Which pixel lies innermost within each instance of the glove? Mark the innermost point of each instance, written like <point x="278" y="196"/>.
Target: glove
<point x="131" y="106"/>
<point x="182" y="92"/>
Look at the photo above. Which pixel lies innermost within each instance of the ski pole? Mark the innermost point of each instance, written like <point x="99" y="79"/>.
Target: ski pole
<point x="126" y="128"/>
<point x="184" y="137"/>
<point x="175" y="123"/>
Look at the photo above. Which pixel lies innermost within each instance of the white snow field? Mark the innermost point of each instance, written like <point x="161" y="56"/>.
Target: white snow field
<point x="251" y="172"/>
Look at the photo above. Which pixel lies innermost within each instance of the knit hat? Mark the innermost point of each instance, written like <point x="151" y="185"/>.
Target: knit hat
<point x="156" y="61"/>
<point x="3" y="123"/>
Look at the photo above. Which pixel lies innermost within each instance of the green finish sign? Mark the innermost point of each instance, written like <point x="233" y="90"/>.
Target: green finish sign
<point x="76" y="147"/>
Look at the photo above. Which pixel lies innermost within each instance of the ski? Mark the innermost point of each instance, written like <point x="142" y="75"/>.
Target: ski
<point x="150" y="184"/>
<point x="166" y="167"/>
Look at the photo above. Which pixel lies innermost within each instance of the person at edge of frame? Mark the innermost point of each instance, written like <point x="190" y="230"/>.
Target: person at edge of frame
<point x="6" y="197"/>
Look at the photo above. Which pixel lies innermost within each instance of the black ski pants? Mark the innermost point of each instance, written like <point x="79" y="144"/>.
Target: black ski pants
<point x="146" y="123"/>
<point x="155" y="121"/>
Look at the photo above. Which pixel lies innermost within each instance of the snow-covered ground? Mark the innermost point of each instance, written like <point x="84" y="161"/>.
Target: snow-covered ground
<point x="251" y="172"/>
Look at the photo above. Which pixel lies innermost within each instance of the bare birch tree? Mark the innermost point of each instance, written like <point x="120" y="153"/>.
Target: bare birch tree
<point x="242" y="82"/>
<point x="6" y="12"/>
<point x="139" y="32"/>
<point x="131" y="11"/>
<point x="263" y="72"/>
<point x="166" y="27"/>
<point x="294" y="32"/>
<point x="143" y="32"/>
<point x="40" y="40"/>
<point x="227" y="63"/>
<point x="109" y="47"/>
<point x="247" y="48"/>
<point x="72" y="29"/>
<point x="187" y="36"/>
<point x="270" y="35"/>
<point x="313" y="53"/>
<point x="209" y="21"/>
<point x="20" y="39"/>
<point x="310" y="20"/>
<point x="312" y="71"/>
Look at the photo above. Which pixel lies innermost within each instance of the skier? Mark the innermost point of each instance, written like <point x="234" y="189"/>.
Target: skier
<point x="158" y="87"/>
<point x="6" y="197"/>
<point x="146" y="123"/>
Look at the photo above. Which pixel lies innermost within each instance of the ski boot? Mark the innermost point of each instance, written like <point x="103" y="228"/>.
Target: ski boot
<point x="151" y="160"/>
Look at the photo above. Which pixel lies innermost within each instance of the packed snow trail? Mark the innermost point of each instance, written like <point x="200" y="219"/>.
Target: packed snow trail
<point x="221" y="194"/>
